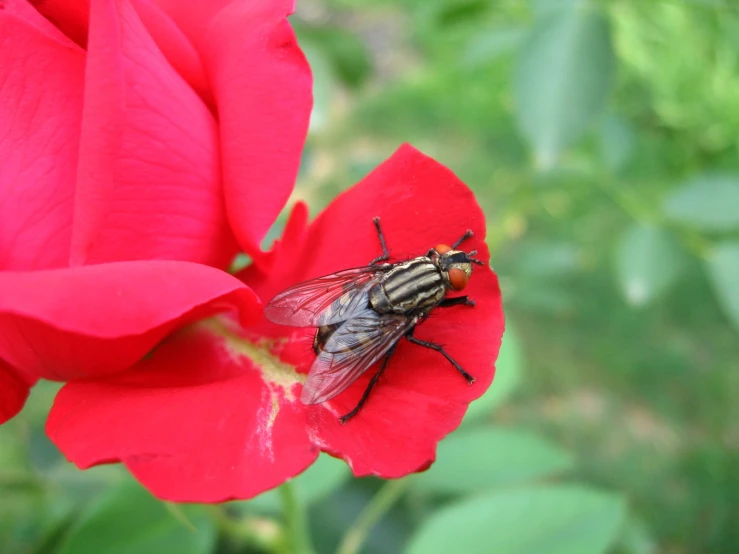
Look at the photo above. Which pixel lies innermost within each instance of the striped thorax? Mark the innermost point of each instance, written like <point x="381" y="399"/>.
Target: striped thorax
<point x="409" y="286"/>
<point x="420" y="284"/>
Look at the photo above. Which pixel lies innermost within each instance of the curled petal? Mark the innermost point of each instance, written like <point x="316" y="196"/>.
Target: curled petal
<point x="40" y="113"/>
<point x="149" y="174"/>
<point x="175" y="46"/>
<point x="14" y="388"/>
<point x="198" y="421"/>
<point x="71" y="17"/>
<point x="262" y="86"/>
<point x="195" y="16"/>
<point x="97" y="320"/>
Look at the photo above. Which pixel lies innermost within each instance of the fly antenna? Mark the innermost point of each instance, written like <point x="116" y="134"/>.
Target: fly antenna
<point x="474" y="260"/>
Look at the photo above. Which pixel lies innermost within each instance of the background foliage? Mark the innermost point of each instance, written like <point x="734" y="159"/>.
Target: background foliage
<point x="601" y="140"/>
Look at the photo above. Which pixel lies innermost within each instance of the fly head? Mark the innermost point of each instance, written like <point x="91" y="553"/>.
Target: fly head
<point x="455" y="265"/>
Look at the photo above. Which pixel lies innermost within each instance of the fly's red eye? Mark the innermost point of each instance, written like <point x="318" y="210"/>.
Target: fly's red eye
<point x="442" y="248"/>
<point x="457" y="278"/>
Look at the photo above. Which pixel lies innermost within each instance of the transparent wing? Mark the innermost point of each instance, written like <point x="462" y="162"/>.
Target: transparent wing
<point x="325" y="300"/>
<point x="350" y="351"/>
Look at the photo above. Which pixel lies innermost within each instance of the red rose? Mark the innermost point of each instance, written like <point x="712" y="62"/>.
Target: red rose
<point x="136" y="137"/>
<point x="214" y="413"/>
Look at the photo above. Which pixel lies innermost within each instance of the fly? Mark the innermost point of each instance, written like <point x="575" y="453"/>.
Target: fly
<point x="362" y="313"/>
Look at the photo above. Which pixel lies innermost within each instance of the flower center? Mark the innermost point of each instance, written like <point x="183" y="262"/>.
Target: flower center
<point x="259" y="351"/>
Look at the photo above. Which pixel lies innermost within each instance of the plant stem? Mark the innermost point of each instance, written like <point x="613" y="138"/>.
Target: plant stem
<point x="372" y="513"/>
<point x="297" y="533"/>
<point x="248" y="532"/>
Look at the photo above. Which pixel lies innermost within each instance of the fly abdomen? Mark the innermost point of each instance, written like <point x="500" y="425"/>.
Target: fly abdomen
<point x="409" y="286"/>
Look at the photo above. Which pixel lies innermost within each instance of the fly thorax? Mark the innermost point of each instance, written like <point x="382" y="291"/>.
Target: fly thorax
<point x="410" y="286"/>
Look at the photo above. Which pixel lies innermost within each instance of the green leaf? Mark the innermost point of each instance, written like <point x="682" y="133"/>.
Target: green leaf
<point x="473" y="460"/>
<point x="461" y="11"/>
<point x="544" y="7"/>
<point x="545" y="259"/>
<point x="551" y="520"/>
<point x="344" y="51"/>
<point x="487" y="47"/>
<point x="318" y="481"/>
<point x="563" y="78"/>
<point x="616" y="142"/>
<point x="128" y="520"/>
<point x="707" y="202"/>
<point x="723" y="270"/>
<point x="648" y="262"/>
<point x="240" y="262"/>
<point x="324" y="84"/>
<point x="635" y="538"/>
<point x="544" y="297"/>
<point x="507" y="377"/>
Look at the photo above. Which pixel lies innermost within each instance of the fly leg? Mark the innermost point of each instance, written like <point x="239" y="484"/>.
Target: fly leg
<point x="343" y="419"/>
<point x="385" y="254"/>
<point x="439" y="348"/>
<point x="463" y="300"/>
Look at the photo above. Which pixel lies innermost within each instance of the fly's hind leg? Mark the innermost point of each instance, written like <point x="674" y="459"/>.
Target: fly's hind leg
<point x="439" y="348"/>
<point x="343" y="419"/>
<point x="385" y="254"/>
<point x="457" y="301"/>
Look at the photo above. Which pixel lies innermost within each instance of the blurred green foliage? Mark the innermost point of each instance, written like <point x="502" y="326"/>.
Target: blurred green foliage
<point x="601" y="140"/>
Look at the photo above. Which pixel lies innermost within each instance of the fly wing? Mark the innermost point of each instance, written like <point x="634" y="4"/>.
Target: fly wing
<point x="325" y="300"/>
<point x="350" y="351"/>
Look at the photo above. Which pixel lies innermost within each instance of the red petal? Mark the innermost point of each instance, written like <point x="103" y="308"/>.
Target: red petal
<point x="262" y="85"/>
<point x="195" y="16"/>
<point x="14" y="389"/>
<point x="421" y="397"/>
<point x="149" y="184"/>
<point x="94" y="320"/>
<point x="73" y="17"/>
<point x="40" y="111"/>
<point x="175" y="46"/>
<point x="279" y="269"/>
<point x="70" y="16"/>
<point x="195" y="422"/>
<point x="420" y="203"/>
